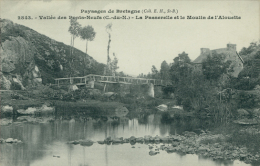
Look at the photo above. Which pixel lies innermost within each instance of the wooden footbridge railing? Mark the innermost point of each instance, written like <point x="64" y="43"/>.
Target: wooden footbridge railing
<point x="109" y="79"/>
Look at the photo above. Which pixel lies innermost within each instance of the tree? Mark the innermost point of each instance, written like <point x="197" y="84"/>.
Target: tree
<point x="74" y="30"/>
<point x="113" y="65"/>
<point x="155" y="73"/>
<point x="87" y="33"/>
<point x="180" y="68"/>
<point x="164" y="72"/>
<point x="107" y="70"/>
<point x="214" y="66"/>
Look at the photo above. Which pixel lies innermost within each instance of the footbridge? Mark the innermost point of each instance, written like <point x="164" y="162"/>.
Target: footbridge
<point x="109" y="79"/>
<point x="89" y="80"/>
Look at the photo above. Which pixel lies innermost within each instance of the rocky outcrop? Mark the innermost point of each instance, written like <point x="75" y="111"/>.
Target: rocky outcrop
<point x="29" y="58"/>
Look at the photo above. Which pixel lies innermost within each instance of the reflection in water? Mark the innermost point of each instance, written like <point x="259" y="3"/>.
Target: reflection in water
<point x="43" y="142"/>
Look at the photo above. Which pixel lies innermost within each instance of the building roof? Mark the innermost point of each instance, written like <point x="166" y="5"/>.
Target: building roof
<point x="231" y="54"/>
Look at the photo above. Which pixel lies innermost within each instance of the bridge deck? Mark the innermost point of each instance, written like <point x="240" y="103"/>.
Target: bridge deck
<point x="109" y="79"/>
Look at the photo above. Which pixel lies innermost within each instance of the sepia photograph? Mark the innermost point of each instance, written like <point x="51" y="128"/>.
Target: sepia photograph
<point x="122" y="83"/>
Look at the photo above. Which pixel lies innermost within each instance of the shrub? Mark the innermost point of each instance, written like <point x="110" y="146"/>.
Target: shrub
<point x="246" y="100"/>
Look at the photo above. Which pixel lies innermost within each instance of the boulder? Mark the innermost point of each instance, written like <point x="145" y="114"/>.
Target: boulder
<point x="171" y="149"/>
<point x="72" y="88"/>
<point x="10" y="140"/>
<point x="242" y="112"/>
<point x="86" y="142"/>
<point x="116" y="140"/>
<point x="73" y="142"/>
<point x="5" y="121"/>
<point x="162" y="107"/>
<point x="164" y="139"/>
<point x="2" y="140"/>
<point x="140" y="139"/>
<point x="132" y="138"/>
<point x="256" y="112"/>
<point x="101" y="142"/>
<point x="121" y="111"/>
<point x="126" y="140"/>
<point x="28" y="111"/>
<point x="147" y="138"/>
<point x="152" y="153"/>
<point x="7" y="109"/>
<point x="46" y="109"/>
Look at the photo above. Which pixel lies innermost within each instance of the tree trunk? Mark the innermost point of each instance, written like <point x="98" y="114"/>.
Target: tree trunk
<point x="108" y="58"/>
<point x="87" y="47"/>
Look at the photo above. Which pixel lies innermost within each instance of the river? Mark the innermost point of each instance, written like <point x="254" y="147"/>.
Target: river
<point x="46" y="143"/>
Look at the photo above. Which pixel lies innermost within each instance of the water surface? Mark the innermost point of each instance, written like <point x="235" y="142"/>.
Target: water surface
<point x="43" y="142"/>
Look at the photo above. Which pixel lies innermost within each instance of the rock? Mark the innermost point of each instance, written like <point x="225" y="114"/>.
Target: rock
<point x="203" y="149"/>
<point x="5" y="83"/>
<point x="147" y="138"/>
<point x="47" y="109"/>
<point x="73" y="142"/>
<point x="121" y="111"/>
<point x="9" y="140"/>
<point x="246" y="121"/>
<point x="5" y="121"/>
<point x="126" y="140"/>
<point x="86" y="142"/>
<point x="132" y="138"/>
<point x="162" y="147"/>
<point x="116" y="140"/>
<point x="242" y="112"/>
<point x="73" y="88"/>
<point x="7" y="109"/>
<point x="140" y="139"/>
<point x="2" y="140"/>
<point x="257" y="87"/>
<point x="133" y="146"/>
<point x="171" y="149"/>
<point x="101" y="142"/>
<point x="28" y="111"/>
<point x="178" y="107"/>
<point x="152" y="153"/>
<point x="164" y="139"/>
<point x="189" y="134"/>
<point x="162" y="107"/>
<point x="176" y="138"/>
<point x="256" y="112"/>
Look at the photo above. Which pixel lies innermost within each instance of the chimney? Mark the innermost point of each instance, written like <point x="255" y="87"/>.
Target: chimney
<point x="204" y="50"/>
<point x="232" y="47"/>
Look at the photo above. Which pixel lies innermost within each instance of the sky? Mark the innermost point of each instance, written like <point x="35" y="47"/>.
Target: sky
<point x="141" y="43"/>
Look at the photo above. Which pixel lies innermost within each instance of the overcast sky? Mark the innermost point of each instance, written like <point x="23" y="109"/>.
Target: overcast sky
<point x="139" y="44"/>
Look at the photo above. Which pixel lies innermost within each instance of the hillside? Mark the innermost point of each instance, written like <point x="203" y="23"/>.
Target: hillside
<point x="29" y="58"/>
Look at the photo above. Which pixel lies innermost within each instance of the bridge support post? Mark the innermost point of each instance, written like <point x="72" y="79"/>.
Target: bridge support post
<point x="105" y="87"/>
<point x="150" y="90"/>
<point x="91" y="84"/>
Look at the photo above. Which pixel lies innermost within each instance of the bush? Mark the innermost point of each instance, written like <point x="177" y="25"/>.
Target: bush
<point x="246" y="100"/>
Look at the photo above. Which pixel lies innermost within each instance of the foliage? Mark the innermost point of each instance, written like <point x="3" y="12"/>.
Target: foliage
<point x="155" y="73"/>
<point x="87" y="33"/>
<point x="246" y="100"/>
<point x="180" y="68"/>
<point x="107" y="70"/>
<point x="250" y="49"/>
<point x="164" y="72"/>
<point x="113" y="65"/>
<point x="74" y="28"/>
<point x="244" y="83"/>
<point x="214" y="66"/>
